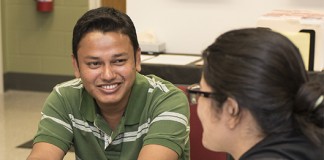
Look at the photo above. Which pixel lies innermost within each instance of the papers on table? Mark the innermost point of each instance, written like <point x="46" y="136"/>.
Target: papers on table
<point x="302" y="41"/>
<point x="146" y="57"/>
<point x="169" y="59"/>
<point x="199" y="63"/>
<point x="300" y="21"/>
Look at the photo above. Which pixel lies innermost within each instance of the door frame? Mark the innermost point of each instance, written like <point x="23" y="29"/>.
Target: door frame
<point x="94" y="4"/>
<point x="1" y="53"/>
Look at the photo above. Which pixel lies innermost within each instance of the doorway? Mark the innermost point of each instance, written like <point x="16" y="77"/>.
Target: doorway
<point x="117" y="4"/>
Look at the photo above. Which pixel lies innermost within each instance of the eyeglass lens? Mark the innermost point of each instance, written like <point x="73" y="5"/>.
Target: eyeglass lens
<point x="193" y="98"/>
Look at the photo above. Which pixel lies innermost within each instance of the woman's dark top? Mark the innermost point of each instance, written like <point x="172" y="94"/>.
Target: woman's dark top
<point x="285" y="146"/>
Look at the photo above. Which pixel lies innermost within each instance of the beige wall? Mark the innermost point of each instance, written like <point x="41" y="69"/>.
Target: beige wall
<point x="189" y="26"/>
<point x="35" y="42"/>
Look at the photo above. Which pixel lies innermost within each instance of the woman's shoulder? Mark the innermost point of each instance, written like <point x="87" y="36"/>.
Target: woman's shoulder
<point x="285" y="146"/>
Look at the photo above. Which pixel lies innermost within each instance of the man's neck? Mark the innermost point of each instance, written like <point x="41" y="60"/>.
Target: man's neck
<point x="113" y="114"/>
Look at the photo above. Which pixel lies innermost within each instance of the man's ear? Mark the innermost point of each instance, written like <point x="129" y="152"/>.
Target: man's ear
<point x="75" y="67"/>
<point x="138" y="60"/>
<point x="231" y="110"/>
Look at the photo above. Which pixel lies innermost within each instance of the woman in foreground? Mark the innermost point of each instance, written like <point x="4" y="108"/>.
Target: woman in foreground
<point x="256" y="101"/>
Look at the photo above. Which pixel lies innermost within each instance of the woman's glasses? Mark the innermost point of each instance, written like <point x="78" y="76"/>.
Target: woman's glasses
<point x="194" y="93"/>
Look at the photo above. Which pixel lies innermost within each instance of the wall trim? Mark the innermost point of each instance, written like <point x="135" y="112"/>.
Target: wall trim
<point x="32" y="82"/>
<point x="174" y="74"/>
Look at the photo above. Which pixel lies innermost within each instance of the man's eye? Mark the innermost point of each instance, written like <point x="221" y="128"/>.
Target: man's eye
<point x="93" y="64"/>
<point x="120" y="61"/>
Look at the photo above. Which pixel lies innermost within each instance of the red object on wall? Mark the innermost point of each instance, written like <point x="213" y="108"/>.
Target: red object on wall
<point x="44" y="5"/>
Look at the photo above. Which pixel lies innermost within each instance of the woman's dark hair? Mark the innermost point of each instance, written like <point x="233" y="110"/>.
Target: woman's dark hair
<point x="265" y="73"/>
<point x="103" y="19"/>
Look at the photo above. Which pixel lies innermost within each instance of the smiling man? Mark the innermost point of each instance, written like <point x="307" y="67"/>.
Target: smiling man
<point x="111" y="111"/>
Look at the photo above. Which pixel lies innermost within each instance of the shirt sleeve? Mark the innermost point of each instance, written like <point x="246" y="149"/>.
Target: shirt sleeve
<point x="170" y="126"/>
<point x="55" y="126"/>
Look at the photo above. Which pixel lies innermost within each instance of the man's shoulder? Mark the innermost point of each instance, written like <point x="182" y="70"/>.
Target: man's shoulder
<point x="68" y="87"/>
<point x="157" y="90"/>
<point x="161" y="91"/>
<point x="155" y="82"/>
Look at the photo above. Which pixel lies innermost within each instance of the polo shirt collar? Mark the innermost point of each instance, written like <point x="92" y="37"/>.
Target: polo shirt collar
<point x="88" y="106"/>
<point x="137" y="100"/>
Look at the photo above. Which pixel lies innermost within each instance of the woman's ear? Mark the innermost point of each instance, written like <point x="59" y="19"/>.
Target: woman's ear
<point x="233" y="108"/>
<point x="75" y="67"/>
<point x="232" y="112"/>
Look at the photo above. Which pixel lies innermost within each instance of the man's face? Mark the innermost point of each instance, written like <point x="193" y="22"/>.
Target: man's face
<point x="107" y="67"/>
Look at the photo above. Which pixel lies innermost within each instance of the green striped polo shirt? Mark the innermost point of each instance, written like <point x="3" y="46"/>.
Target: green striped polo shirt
<point x="157" y="113"/>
